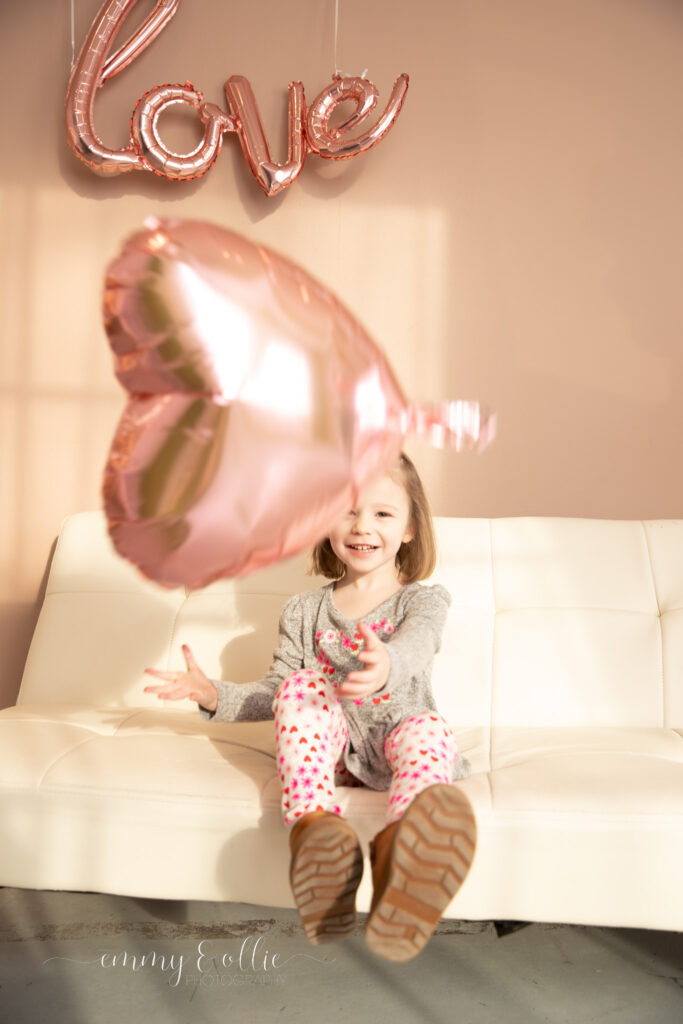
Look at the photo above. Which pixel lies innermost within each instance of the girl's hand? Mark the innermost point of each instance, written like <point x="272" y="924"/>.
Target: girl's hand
<point x="376" y="675"/>
<point x="192" y="683"/>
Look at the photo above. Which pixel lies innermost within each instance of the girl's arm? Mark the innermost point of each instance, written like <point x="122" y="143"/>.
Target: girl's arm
<point x="410" y="650"/>
<point x="192" y="683"/>
<point x="418" y="638"/>
<point x="238" y="702"/>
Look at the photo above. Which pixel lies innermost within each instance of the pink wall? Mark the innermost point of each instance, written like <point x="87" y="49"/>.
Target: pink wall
<point x="517" y="238"/>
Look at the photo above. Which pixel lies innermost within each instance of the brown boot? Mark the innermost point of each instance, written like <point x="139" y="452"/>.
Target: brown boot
<point x="418" y="864"/>
<point x="325" y="871"/>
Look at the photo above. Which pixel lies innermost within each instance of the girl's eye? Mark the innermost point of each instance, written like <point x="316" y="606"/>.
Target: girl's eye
<point x="387" y="514"/>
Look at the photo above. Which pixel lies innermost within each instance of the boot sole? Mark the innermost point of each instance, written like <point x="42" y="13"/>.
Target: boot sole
<point x="325" y="873"/>
<point x="431" y="853"/>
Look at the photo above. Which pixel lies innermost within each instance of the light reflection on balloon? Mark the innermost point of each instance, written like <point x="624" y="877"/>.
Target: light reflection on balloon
<point x="258" y="405"/>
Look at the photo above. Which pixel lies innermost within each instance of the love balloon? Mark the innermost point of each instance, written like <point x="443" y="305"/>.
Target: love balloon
<point x="258" y="406"/>
<point x="310" y="129"/>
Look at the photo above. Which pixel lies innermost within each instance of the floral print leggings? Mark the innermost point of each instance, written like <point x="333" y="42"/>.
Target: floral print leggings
<point x="310" y="736"/>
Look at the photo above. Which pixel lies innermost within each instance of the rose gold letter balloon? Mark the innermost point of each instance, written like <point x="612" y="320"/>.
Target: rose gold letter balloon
<point x="155" y="156"/>
<point x="272" y="177"/>
<point x="92" y="69"/>
<point x="333" y="143"/>
<point x="258" y="406"/>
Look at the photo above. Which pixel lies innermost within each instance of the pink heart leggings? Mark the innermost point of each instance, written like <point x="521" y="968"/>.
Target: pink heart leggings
<point x="310" y="736"/>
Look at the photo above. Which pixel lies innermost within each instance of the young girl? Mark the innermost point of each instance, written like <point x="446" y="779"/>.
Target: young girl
<point x="349" y="688"/>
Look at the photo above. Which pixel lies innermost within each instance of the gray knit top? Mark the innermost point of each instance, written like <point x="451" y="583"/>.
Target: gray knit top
<point x="313" y="633"/>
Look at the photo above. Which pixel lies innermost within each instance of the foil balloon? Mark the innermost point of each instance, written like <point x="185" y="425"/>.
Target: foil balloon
<point x="92" y="69"/>
<point x="154" y="155"/>
<point x="145" y="151"/>
<point x="334" y="143"/>
<point x="258" y="406"/>
<point x="272" y="177"/>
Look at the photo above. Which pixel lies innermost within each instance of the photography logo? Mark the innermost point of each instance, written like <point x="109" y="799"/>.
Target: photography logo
<point x="252" y="964"/>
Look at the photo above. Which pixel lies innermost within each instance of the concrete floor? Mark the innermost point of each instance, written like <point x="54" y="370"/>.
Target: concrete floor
<point x="77" y="958"/>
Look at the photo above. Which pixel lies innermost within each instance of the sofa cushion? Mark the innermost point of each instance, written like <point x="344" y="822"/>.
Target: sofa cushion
<point x="559" y="670"/>
<point x="160" y="803"/>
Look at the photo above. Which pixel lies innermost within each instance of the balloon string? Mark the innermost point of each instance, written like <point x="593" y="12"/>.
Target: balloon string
<point x="73" y="35"/>
<point x="336" y="35"/>
<point x="337" y="72"/>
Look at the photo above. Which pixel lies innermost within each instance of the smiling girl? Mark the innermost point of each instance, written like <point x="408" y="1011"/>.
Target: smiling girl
<point x="350" y="690"/>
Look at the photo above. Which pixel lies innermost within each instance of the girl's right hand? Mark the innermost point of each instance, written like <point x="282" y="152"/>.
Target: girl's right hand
<point x="192" y="683"/>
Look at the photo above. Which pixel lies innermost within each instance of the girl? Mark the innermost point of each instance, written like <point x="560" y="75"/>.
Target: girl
<point x="349" y="688"/>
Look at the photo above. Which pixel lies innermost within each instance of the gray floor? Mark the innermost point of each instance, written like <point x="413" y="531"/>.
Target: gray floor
<point x="80" y="958"/>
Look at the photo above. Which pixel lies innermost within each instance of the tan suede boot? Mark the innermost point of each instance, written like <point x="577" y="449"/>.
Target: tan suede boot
<point x="418" y="864"/>
<point x="325" y="871"/>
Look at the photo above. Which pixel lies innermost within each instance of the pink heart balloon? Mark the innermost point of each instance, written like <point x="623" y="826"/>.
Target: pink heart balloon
<point x="258" y="406"/>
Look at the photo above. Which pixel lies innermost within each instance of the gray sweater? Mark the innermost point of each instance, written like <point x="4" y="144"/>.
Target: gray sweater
<point x="314" y="634"/>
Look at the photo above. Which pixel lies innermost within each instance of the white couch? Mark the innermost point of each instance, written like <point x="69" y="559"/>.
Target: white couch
<point x="561" y="669"/>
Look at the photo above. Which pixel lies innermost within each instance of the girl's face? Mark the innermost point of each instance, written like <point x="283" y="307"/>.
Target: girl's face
<point x="367" y="537"/>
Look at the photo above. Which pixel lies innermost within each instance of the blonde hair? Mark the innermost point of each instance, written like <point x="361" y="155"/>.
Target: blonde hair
<point x="416" y="558"/>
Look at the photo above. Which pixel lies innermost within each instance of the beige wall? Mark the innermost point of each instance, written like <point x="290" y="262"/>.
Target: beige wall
<point x="517" y="238"/>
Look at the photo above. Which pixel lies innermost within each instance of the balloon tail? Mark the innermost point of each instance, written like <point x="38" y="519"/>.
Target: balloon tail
<point x="463" y="425"/>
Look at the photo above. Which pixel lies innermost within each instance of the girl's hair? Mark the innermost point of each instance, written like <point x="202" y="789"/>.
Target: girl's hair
<point x="415" y="560"/>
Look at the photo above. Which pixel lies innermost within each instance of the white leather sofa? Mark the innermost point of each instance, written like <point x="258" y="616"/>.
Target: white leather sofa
<point x="561" y="669"/>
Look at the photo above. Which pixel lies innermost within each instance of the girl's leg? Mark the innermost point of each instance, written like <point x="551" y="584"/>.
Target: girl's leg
<point x="310" y="735"/>
<point x="327" y="861"/>
<point x="421" y="752"/>
<point x="420" y="859"/>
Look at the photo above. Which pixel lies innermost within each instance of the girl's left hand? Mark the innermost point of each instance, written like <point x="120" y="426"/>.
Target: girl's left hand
<point x="376" y="675"/>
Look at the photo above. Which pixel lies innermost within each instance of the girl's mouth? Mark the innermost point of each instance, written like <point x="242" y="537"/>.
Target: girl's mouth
<point x="362" y="547"/>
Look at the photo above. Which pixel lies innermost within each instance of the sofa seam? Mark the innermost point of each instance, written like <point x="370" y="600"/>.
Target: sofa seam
<point x="60" y="757"/>
<point x="174" y="626"/>
<point x="41" y="784"/>
<point x="101" y="591"/>
<point x="604" y="820"/>
<point x="490" y="816"/>
<point x="583" y="608"/>
<point x="151" y="796"/>
<point x="663" y="705"/>
<point x="494" y="629"/>
<point x="133" y="713"/>
<point x="242" y="593"/>
<point x="455" y="605"/>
